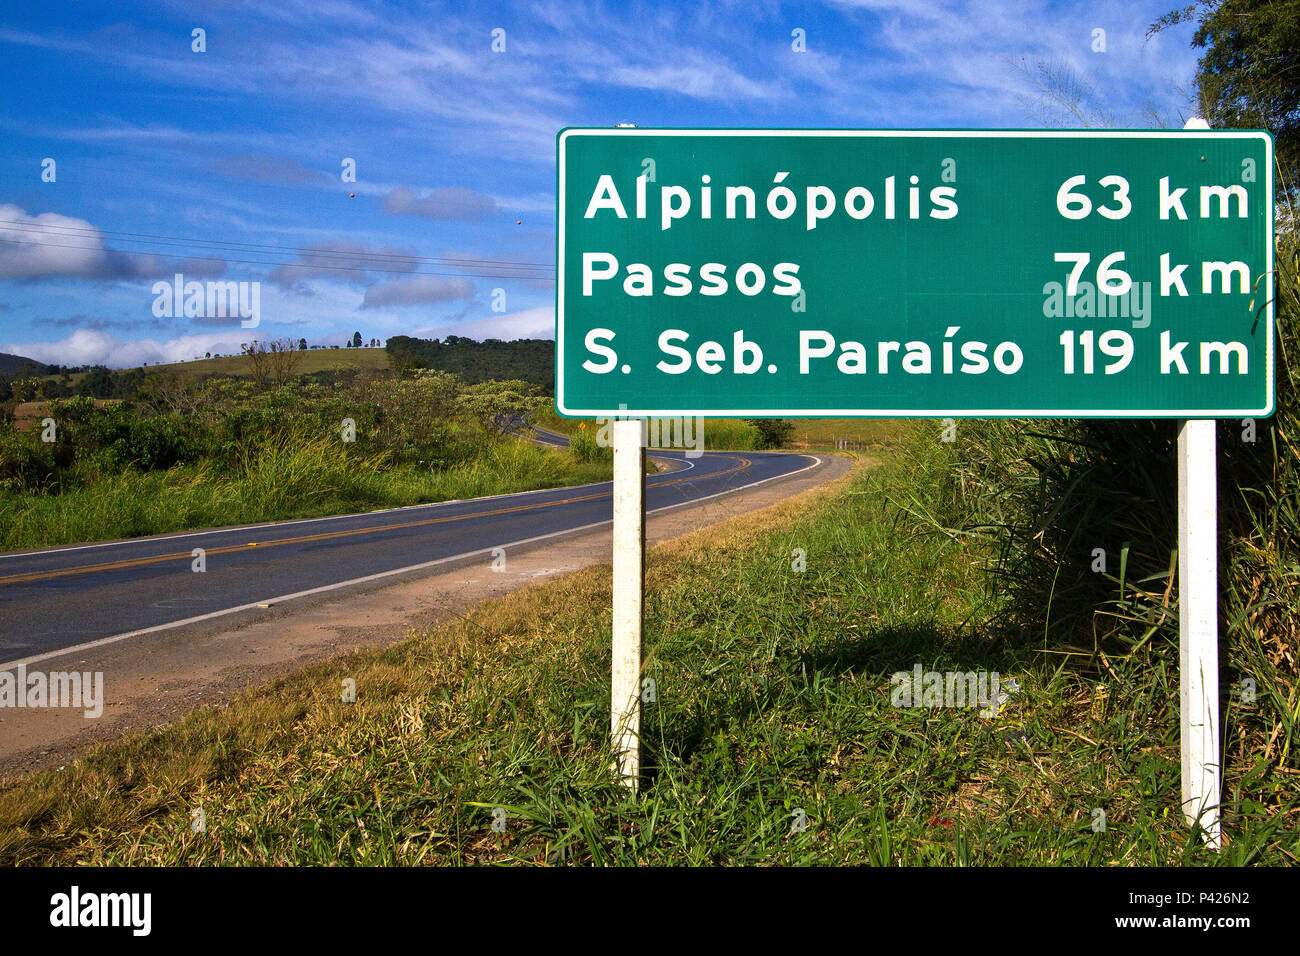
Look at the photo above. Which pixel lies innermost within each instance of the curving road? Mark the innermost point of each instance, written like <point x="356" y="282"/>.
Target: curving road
<point x="59" y="599"/>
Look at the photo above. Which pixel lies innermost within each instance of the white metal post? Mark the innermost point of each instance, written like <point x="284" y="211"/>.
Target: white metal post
<point x="629" y="591"/>
<point x="1198" y="624"/>
<point x="1198" y="617"/>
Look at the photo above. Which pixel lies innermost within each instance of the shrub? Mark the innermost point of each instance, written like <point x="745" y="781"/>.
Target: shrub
<point x="1050" y="493"/>
<point x="162" y="442"/>
<point x="26" y="462"/>
<point x="772" y="432"/>
<point x="584" y="447"/>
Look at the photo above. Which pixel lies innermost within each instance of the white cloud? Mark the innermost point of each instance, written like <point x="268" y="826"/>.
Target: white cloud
<point x="343" y="260"/>
<point x="89" y="346"/>
<point x="965" y="56"/>
<point x="52" y="246"/>
<point x="704" y="74"/>
<point x="95" y="347"/>
<point x="448" y="202"/>
<point x="417" y="290"/>
<point x="537" y="323"/>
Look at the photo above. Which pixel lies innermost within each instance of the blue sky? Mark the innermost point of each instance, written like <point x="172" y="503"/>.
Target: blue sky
<point x="227" y="163"/>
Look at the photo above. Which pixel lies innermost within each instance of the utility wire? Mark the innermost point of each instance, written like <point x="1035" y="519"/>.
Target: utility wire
<point x="482" y="273"/>
<point x="258" y="248"/>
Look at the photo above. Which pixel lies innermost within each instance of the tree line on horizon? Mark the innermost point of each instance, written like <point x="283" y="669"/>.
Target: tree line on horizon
<point x="528" y="360"/>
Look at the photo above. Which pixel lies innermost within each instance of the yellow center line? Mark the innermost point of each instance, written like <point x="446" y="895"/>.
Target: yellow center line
<point x="325" y="536"/>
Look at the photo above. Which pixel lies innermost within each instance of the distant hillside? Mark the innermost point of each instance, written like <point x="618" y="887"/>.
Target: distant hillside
<point x="532" y="360"/>
<point x="97" y="381"/>
<point x="309" y="361"/>
<point x="10" y="365"/>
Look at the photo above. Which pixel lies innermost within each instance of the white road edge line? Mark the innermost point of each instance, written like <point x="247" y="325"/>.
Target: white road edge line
<point x="89" y="645"/>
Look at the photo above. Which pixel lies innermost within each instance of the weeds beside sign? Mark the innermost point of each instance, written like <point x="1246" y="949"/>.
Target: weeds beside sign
<point x="915" y="273"/>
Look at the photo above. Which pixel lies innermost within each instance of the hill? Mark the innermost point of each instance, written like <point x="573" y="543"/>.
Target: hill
<point x="11" y="365"/>
<point x="310" y="360"/>
<point x="531" y="360"/>
<point x="98" y="381"/>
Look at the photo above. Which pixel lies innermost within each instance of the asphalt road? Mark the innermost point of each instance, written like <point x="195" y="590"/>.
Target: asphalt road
<point x="68" y="597"/>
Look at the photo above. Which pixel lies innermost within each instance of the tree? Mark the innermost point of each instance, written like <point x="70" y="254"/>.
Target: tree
<point x="356" y="340"/>
<point x="302" y="345"/>
<point x="169" y="393"/>
<point x="271" y="363"/>
<point x="26" y="388"/>
<point x="496" y="406"/>
<point x="96" y="383"/>
<point x="1249" y="75"/>
<point x="772" y="432"/>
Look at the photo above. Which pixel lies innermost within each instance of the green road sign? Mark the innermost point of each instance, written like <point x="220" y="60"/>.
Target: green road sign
<point x="915" y="273"/>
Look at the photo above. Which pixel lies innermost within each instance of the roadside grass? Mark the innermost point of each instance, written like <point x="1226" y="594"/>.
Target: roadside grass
<point x="274" y="480"/>
<point x="772" y="703"/>
<point x="720" y="434"/>
<point x="866" y="434"/>
<point x="863" y="433"/>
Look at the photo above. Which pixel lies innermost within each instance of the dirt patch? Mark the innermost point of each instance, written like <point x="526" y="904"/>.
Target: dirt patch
<point x="29" y="414"/>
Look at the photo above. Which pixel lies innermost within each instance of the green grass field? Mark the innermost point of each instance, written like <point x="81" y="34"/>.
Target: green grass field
<point x="312" y="360"/>
<point x="771" y="738"/>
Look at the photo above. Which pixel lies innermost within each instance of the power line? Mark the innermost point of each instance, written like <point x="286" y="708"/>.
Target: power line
<point x="257" y="248"/>
<point x="306" y="254"/>
<point x="482" y="273"/>
<point x="83" y="232"/>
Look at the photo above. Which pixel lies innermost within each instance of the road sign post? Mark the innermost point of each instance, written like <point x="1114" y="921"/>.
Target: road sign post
<point x="629" y="593"/>
<point x="1198" y="625"/>
<point x="1198" y="619"/>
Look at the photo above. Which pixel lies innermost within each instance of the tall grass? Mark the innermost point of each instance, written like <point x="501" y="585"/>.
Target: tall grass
<point x="1260" y="570"/>
<point x="295" y="474"/>
<point x="730" y="433"/>
<point x="1083" y="520"/>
